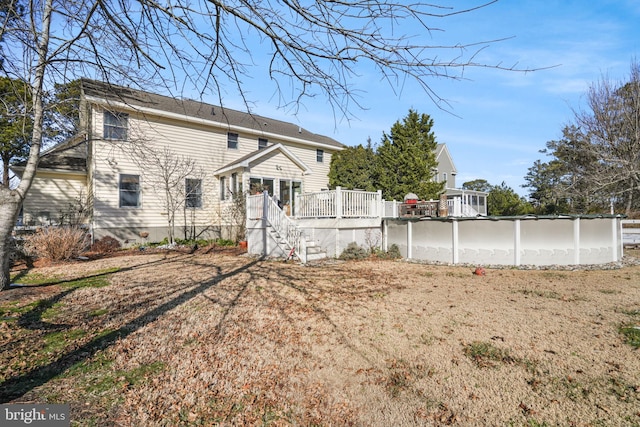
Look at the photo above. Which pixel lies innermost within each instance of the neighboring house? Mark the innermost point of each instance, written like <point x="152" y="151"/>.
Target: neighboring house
<point x="471" y="203"/>
<point x="132" y="144"/>
<point x="446" y="171"/>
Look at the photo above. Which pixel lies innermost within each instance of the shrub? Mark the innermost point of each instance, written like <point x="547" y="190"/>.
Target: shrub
<point x="354" y="251"/>
<point x="57" y="243"/>
<point x="392" y="253"/>
<point x="106" y="245"/>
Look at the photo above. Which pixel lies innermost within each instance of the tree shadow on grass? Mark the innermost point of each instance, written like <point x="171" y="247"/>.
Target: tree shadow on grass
<point x="17" y="386"/>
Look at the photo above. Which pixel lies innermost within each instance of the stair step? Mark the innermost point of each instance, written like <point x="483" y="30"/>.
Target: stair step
<point x="316" y="256"/>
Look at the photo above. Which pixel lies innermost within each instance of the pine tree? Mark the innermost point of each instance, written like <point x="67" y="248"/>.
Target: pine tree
<point x="406" y="159"/>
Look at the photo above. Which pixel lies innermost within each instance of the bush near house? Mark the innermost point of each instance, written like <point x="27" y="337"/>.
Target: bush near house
<point x="57" y="243"/>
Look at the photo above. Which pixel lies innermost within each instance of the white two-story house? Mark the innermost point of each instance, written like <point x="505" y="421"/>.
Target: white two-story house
<point x="140" y="159"/>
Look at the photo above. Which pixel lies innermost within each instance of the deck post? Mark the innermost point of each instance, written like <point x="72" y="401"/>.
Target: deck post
<point x="338" y="202"/>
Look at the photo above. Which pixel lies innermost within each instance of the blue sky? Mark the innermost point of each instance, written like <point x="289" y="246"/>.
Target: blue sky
<point x="500" y="119"/>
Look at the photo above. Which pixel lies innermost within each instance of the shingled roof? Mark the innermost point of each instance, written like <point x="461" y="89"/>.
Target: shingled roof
<point x="196" y="109"/>
<point x="69" y="156"/>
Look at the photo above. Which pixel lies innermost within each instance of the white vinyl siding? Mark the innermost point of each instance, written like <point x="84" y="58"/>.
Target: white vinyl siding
<point x="52" y="196"/>
<point x="204" y="144"/>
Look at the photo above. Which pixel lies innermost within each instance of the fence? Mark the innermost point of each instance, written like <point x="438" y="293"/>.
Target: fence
<point x="509" y="241"/>
<point x="631" y="232"/>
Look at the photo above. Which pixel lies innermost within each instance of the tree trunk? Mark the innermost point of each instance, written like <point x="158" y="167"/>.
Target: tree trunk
<point x="11" y="200"/>
<point x="9" y="209"/>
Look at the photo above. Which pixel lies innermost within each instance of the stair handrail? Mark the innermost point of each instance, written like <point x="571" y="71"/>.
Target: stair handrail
<point x="285" y="226"/>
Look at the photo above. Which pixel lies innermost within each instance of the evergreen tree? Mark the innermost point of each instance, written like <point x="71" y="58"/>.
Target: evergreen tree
<point x="504" y="201"/>
<point x="352" y="168"/>
<point x="477" y="185"/>
<point x="16" y="123"/>
<point x="406" y="159"/>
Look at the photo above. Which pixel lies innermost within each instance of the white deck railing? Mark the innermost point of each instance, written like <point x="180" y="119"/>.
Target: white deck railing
<point x="339" y="203"/>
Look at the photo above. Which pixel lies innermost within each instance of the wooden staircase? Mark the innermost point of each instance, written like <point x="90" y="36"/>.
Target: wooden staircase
<point x="289" y="238"/>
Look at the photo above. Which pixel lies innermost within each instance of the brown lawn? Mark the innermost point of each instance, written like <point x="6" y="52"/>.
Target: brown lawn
<point x="179" y="339"/>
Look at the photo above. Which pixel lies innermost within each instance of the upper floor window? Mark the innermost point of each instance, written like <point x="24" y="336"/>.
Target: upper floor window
<point x="444" y="177"/>
<point x="232" y="140"/>
<point x="193" y="193"/>
<point x="319" y="156"/>
<point x="129" y="191"/>
<point x="115" y="125"/>
<point x="262" y="143"/>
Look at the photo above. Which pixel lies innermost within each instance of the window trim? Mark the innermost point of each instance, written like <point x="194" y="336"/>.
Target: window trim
<point x="190" y="194"/>
<point x="137" y="192"/>
<point x="223" y="188"/>
<point x="232" y="141"/>
<point x="115" y="125"/>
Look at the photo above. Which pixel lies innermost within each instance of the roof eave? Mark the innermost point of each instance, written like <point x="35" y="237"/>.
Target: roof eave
<point x="197" y="120"/>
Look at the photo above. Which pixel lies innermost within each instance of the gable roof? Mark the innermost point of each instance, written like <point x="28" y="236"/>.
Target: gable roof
<point x="245" y="161"/>
<point x="186" y="109"/>
<point x="441" y="152"/>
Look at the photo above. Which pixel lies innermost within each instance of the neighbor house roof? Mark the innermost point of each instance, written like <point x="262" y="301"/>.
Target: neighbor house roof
<point x="187" y="109"/>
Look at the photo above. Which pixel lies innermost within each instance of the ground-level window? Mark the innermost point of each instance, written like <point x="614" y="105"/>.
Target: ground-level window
<point x="193" y="193"/>
<point x="223" y="188"/>
<point x="262" y="143"/>
<point x="319" y="156"/>
<point x="258" y="185"/>
<point x="129" y="191"/>
<point x="115" y="125"/>
<point x="234" y="183"/>
<point x="232" y="140"/>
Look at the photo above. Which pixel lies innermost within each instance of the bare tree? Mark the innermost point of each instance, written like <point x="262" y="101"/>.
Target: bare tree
<point x="173" y="178"/>
<point x="612" y="126"/>
<point x="314" y="48"/>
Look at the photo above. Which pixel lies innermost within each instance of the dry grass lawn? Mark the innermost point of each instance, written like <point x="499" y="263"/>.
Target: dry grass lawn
<point x="204" y="339"/>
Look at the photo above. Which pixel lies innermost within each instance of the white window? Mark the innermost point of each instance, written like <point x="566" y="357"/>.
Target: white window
<point x="232" y="140"/>
<point x="193" y="193"/>
<point x="262" y="143"/>
<point x="129" y="191"/>
<point x="115" y="125"/>
<point x="319" y="156"/>
<point x="223" y="188"/>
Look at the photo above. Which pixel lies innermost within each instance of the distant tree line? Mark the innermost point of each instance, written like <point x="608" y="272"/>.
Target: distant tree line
<point x="595" y="166"/>
<point x="405" y="162"/>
